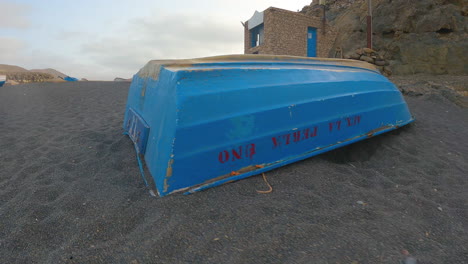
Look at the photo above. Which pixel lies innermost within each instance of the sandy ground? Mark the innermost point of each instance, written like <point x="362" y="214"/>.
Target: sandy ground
<point x="70" y="191"/>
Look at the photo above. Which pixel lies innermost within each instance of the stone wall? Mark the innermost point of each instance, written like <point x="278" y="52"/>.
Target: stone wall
<point x="285" y="33"/>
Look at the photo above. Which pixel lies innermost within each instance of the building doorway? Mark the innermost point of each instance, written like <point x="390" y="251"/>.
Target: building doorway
<point x="311" y="42"/>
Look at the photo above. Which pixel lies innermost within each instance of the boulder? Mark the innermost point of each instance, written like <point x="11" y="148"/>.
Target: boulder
<point x="387" y="71"/>
<point x="367" y="58"/>
<point x="380" y="63"/>
<point x="368" y="51"/>
<point x="355" y="56"/>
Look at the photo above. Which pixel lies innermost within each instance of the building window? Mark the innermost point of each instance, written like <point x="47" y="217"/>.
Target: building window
<point x="256" y="35"/>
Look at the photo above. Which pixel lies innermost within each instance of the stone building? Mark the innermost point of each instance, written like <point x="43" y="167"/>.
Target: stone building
<point x="282" y="32"/>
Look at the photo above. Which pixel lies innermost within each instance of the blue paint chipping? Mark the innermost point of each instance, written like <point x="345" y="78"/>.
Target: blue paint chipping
<point x="212" y="121"/>
<point x="311" y="42"/>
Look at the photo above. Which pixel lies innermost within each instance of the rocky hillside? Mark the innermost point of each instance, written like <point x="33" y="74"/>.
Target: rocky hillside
<point x="28" y="77"/>
<point x="5" y="68"/>
<point x="16" y="74"/>
<point x="426" y="36"/>
<point x="53" y="72"/>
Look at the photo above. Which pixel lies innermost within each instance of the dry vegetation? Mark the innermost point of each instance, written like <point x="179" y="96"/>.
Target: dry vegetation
<point x="27" y="77"/>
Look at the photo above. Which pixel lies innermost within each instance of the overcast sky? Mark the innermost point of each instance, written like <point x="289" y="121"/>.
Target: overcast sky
<point x="103" y="39"/>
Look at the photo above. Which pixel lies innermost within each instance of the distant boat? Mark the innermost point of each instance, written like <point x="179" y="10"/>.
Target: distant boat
<point x="70" y="79"/>
<point x="204" y="122"/>
<point x="2" y="80"/>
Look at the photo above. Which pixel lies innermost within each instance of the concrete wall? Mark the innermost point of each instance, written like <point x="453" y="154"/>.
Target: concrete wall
<point x="286" y="34"/>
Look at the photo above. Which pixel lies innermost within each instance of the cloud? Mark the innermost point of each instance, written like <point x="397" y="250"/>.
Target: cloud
<point x="10" y="48"/>
<point x="14" y="51"/>
<point x="72" y="36"/>
<point x="14" y="16"/>
<point x="164" y="37"/>
<point x="123" y="51"/>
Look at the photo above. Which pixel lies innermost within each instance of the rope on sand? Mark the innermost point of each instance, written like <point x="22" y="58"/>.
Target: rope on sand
<point x="269" y="186"/>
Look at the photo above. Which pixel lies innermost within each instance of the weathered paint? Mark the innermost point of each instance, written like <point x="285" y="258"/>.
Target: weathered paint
<point x="137" y="129"/>
<point x="215" y="120"/>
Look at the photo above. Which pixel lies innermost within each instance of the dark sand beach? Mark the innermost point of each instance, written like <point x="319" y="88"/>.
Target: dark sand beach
<point x="71" y="191"/>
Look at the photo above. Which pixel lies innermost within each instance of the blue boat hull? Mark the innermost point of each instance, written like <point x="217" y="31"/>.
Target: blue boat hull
<point x="2" y="83"/>
<point x="70" y="79"/>
<point x="201" y="123"/>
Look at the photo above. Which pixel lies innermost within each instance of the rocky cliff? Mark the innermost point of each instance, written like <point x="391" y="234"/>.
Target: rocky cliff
<point x="424" y="36"/>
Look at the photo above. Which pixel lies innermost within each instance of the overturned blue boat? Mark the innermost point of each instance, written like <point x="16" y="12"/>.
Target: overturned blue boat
<point x="70" y="79"/>
<point x="204" y="122"/>
<point x="2" y="80"/>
